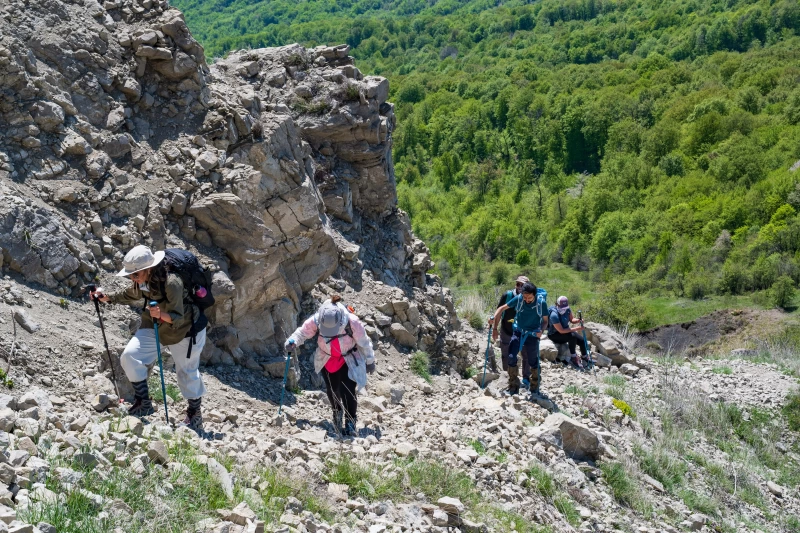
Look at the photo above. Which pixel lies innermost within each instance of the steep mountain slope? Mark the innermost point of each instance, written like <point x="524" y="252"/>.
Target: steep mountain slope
<point x="629" y="138"/>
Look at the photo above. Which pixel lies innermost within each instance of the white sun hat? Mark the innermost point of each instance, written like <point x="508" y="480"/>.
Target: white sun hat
<point x="139" y="258"/>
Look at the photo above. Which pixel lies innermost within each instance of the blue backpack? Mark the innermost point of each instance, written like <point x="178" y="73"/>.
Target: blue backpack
<point x="541" y="304"/>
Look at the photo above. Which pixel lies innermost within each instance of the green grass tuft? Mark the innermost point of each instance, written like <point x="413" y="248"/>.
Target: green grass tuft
<point x="724" y="370"/>
<point x="792" y="411"/>
<point x="421" y="365"/>
<point x="541" y="482"/>
<point x="154" y="385"/>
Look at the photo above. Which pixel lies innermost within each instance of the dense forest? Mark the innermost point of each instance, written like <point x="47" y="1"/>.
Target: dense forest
<point x="652" y="144"/>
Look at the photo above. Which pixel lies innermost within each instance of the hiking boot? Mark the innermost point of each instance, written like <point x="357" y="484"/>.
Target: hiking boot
<point x="141" y="407"/>
<point x="576" y="363"/>
<point x="350" y="429"/>
<point x="526" y="383"/>
<point x="512" y="391"/>
<point x="193" y="420"/>
<point x="513" y="379"/>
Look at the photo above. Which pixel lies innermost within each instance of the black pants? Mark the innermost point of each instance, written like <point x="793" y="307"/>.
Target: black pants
<point x="341" y="392"/>
<point x="572" y="339"/>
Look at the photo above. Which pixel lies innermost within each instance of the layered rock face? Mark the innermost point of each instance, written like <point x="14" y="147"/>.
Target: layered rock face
<point x="272" y="165"/>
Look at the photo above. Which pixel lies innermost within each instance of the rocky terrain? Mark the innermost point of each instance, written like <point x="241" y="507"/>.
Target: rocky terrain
<point x="274" y="167"/>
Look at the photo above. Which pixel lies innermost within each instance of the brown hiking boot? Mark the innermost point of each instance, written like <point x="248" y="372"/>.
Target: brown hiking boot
<point x="513" y="380"/>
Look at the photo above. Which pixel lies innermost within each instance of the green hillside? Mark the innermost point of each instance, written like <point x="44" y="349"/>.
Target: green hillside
<point x="646" y="143"/>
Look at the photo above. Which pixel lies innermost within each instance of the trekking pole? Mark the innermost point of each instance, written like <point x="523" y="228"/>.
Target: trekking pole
<point x="585" y="342"/>
<point x="486" y="357"/>
<point x="285" y="375"/>
<point x="92" y="288"/>
<point x="160" y="364"/>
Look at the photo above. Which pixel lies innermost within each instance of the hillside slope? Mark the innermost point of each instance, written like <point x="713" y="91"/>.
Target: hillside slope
<point x="651" y="142"/>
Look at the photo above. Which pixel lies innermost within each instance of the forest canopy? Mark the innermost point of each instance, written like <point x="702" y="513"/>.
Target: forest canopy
<point x="646" y="141"/>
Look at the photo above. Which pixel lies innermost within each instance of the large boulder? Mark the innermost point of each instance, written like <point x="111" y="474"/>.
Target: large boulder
<point x="609" y="343"/>
<point x="577" y="440"/>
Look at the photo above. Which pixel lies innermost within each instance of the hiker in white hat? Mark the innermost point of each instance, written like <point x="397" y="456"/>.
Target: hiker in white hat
<point x="152" y="281"/>
<point x="344" y="357"/>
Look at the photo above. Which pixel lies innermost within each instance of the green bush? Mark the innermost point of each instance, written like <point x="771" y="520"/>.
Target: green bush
<point x="500" y="274"/>
<point x="783" y="292"/>
<point x="421" y="365"/>
<point x="523" y="258"/>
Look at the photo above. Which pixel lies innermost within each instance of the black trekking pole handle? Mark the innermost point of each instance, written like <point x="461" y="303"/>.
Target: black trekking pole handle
<point x="92" y="288"/>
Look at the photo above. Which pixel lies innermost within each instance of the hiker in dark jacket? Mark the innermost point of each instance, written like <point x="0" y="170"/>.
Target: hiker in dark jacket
<point x="152" y="282"/>
<point x="506" y="330"/>
<point x="344" y="357"/>
<point x="560" y="331"/>
<point x="528" y="327"/>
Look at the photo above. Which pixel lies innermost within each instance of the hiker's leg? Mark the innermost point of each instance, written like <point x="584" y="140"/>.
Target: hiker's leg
<point x="332" y="390"/>
<point x="526" y="367"/>
<point x="347" y="389"/>
<point x="513" y="371"/>
<point x="572" y="341"/>
<point x="139" y="353"/>
<point x="532" y="352"/>
<point x="582" y="345"/>
<point x="188" y="370"/>
<point x="505" y="338"/>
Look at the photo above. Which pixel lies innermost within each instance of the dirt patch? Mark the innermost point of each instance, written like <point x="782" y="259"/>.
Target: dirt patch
<point x="699" y="334"/>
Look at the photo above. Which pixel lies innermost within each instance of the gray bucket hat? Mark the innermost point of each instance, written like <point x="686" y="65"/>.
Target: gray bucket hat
<point x="330" y="320"/>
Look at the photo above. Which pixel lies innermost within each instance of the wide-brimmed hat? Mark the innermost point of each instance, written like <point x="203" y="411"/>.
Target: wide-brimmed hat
<point x="330" y="319"/>
<point x="523" y="279"/>
<point x="139" y="258"/>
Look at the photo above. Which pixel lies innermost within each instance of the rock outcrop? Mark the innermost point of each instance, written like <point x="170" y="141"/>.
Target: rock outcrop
<point x="272" y="165"/>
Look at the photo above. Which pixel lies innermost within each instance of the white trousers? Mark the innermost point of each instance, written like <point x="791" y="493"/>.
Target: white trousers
<point x="140" y="353"/>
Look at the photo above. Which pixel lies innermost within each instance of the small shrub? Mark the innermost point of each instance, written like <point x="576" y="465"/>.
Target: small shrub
<point x="500" y="274"/>
<point x="478" y="446"/>
<point x="661" y="465"/>
<point x="541" y="482"/>
<point x="783" y="292"/>
<point x="622" y="487"/>
<point x="421" y="365"/>
<point x="470" y="372"/>
<point x="624" y="407"/>
<point x="574" y="389"/>
<point x="523" y="258"/>
<point x="63" y="303"/>
<point x="566" y="507"/>
<point x="724" y="370"/>
<point x="698" y="502"/>
<point x="792" y="411"/>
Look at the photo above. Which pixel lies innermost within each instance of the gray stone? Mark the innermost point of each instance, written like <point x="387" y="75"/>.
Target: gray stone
<point x="402" y="335"/>
<point x="24" y="320"/>
<point x="576" y="439"/>
<point x="157" y="452"/>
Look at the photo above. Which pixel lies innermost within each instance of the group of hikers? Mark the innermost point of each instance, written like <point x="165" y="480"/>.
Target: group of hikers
<point x="172" y="316"/>
<point x="175" y="291"/>
<point x="520" y="320"/>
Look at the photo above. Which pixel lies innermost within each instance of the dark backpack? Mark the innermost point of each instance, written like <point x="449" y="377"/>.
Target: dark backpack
<point x="197" y="282"/>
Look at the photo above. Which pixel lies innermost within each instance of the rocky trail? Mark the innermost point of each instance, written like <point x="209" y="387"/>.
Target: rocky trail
<point x="524" y="467"/>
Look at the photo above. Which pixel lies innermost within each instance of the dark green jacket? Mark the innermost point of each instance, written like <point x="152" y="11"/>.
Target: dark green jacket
<point x="171" y="303"/>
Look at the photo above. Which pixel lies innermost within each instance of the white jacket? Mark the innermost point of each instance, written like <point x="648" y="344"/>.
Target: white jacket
<point x="346" y="342"/>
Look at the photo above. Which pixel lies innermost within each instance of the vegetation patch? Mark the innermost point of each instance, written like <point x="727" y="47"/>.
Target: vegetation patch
<point x="421" y="365"/>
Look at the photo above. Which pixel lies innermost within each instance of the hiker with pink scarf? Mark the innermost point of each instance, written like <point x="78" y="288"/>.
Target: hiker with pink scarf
<point x="344" y="357"/>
